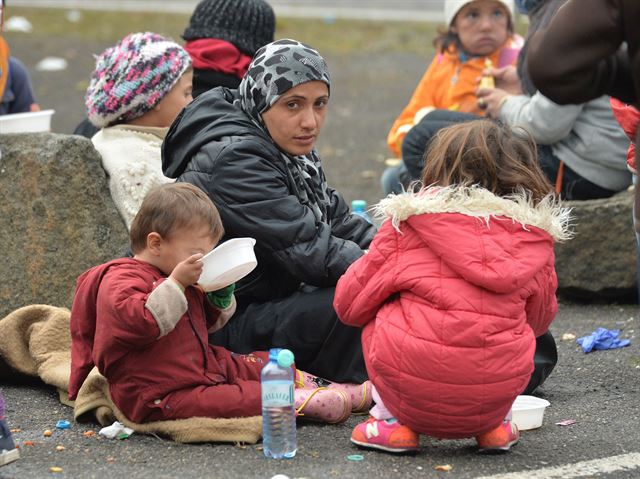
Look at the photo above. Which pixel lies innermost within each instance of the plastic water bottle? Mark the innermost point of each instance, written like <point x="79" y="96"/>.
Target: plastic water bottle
<point x="278" y="412"/>
<point x="359" y="207"/>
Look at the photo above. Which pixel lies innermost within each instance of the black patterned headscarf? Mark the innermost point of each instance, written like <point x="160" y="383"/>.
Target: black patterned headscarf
<point x="275" y="69"/>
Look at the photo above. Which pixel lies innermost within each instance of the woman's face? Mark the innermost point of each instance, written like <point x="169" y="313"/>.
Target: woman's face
<point x="296" y="118"/>
<point x="482" y="26"/>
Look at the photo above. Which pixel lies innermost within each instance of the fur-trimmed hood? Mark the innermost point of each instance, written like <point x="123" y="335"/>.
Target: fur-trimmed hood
<point x="547" y="215"/>
<point x="493" y="242"/>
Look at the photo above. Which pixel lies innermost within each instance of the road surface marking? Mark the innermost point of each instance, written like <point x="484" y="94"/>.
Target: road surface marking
<point x="591" y="468"/>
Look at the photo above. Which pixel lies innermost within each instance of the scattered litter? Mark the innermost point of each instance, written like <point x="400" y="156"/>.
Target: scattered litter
<point x="51" y="64"/>
<point x="355" y="457"/>
<point x="89" y="433"/>
<point x="74" y="16"/>
<point x="63" y="424"/>
<point x="55" y="469"/>
<point x="568" y="337"/>
<point x="444" y="467"/>
<point x="116" y="430"/>
<point x="280" y="476"/>
<point x="60" y="448"/>
<point x="111" y="459"/>
<point x="566" y="422"/>
<point x="18" y="24"/>
<point x="28" y="443"/>
<point x="15" y="429"/>
<point x="47" y="433"/>
<point x="601" y="339"/>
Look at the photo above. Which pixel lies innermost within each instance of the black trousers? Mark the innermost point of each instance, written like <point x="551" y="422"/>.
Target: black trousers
<point x="305" y="323"/>
<point x="544" y="361"/>
<point x="574" y="186"/>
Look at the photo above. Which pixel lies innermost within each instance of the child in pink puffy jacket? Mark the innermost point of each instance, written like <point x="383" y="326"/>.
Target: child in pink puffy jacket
<point x="456" y="286"/>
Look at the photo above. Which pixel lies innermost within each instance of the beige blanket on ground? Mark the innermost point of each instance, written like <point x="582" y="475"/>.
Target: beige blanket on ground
<point x="35" y="341"/>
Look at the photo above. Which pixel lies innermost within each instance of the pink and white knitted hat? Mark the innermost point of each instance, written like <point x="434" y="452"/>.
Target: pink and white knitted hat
<point x="132" y="77"/>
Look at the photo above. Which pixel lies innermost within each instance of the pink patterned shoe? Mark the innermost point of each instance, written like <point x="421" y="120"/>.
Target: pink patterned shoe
<point x="386" y="435"/>
<point x="323" y="405"/>
<point x="360" y="394"/>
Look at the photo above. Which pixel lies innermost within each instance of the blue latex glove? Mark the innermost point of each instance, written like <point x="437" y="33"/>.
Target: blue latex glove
<point x="602" y="338"/>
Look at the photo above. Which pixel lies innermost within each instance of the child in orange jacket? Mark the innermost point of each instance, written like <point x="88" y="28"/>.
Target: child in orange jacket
<point x="479" y="32"/>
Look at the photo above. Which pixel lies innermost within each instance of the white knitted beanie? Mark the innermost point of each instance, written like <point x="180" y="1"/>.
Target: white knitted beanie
<point x="452" y="7"/>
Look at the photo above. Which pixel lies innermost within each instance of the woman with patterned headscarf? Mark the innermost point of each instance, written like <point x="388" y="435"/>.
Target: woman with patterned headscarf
<point x="252" y="150"/>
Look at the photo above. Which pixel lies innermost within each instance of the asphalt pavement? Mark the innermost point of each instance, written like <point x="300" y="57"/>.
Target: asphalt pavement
<point x="599" y="391"/>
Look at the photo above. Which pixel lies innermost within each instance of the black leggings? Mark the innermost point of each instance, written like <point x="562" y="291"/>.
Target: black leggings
<point x="414" y="146"/>
<point x="305" y="323"/>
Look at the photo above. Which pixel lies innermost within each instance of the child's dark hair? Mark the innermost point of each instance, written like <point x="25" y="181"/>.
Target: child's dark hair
<point x="487" y="154"/>
<point x="170" y="207"/>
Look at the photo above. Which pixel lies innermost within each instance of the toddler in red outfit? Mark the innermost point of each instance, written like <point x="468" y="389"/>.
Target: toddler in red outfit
<point x="144" y="323"/>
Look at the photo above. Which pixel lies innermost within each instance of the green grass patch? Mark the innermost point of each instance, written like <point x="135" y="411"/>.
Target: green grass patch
<point x="340" y="36"/>
<point x="336" y="37"/>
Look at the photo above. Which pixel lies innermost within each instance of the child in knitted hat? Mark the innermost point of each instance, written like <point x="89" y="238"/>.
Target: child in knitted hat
<point x="222" y="37"/>
<point x="137" y="89"/>
<point x="478" y="32"/>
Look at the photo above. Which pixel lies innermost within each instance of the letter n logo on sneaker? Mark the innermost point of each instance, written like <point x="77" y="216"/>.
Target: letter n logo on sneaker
<point x="372" y="429"/>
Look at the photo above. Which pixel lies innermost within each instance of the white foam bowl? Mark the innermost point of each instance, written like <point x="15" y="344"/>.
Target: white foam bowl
<point x="227" y="263"/>
<point x="30" y="122"/>
<point x="528" y="412"/>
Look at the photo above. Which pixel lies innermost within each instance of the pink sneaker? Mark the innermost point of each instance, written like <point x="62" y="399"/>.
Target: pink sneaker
<point x="499" y="439"/>
<point x="323" y="405"/>
<point x="360" y="394"/>
<point x="386" y="435"/>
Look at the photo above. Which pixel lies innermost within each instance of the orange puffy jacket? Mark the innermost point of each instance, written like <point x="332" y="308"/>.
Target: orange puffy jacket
<point x="449" y="84"/>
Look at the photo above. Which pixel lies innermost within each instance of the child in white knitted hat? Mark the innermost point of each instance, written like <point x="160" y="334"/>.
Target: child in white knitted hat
<point x="478" y="32"/>
<point x="137" y="89"/>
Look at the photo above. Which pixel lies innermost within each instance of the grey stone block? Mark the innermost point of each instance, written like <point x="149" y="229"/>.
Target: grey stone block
<point x="56" y="217"/>
<point x="600" y="261"/>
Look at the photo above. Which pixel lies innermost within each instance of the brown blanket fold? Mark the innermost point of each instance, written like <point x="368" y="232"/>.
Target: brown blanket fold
<point x="35" y="341"/>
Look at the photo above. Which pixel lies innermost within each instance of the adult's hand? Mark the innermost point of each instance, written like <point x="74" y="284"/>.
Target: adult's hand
<point x="491" y="100"/>
<point x="507" y="79"/>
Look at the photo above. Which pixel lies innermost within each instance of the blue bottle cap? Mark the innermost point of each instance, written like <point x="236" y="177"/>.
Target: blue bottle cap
<point x="358" y="205"/>
<point x="273" y="354"/>
<point x="285" y="358"/>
